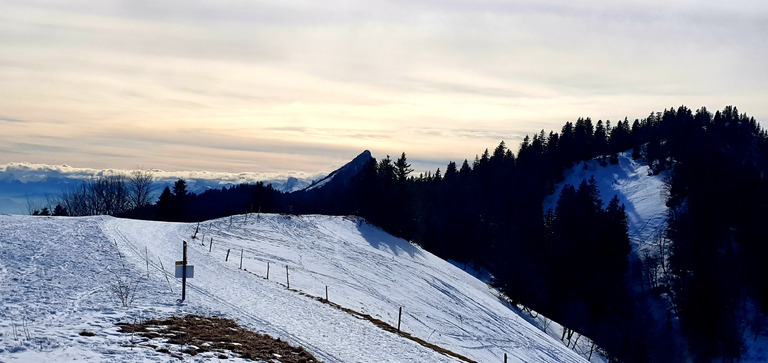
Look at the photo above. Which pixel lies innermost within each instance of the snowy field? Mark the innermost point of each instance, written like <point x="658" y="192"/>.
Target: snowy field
<point x="56" y="275"/>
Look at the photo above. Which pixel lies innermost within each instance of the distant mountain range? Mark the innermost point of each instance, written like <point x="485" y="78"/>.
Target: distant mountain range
<point x="25" y="186"/>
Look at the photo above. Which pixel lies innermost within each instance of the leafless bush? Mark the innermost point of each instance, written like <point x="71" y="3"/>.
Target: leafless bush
<point x="123" y="287"/>
<point x="140" y="186"/>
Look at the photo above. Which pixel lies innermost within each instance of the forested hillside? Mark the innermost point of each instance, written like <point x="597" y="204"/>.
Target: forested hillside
<point x="571" y="263"/>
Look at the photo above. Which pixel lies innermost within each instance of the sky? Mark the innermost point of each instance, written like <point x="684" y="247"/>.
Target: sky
<point x="305" y="86"/>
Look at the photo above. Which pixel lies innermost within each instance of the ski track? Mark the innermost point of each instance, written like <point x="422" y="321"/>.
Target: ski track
<point x="56" y="273"/>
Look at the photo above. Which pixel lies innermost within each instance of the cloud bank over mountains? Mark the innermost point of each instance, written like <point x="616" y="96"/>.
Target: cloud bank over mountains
<point x="30" y="172"/>
<point x="25" y="186"/>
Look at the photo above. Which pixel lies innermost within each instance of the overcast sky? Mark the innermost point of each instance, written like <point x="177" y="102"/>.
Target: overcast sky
<point x="280" y="86"/>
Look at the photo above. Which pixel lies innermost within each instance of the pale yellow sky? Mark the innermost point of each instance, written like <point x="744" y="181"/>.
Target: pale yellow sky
<point x="278" y="86"/>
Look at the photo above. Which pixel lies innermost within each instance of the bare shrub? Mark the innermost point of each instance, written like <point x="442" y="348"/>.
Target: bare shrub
<point x="123" y="287"/>
<point x="140" y="187"/>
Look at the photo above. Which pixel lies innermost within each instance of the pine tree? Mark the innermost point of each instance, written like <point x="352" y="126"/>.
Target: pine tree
<point x="60" y="211"/>
<point x="180" y="189"/>
<point x="165" y="204"/>
<point x="385" y="169"/>
<point x="402" y="168"/>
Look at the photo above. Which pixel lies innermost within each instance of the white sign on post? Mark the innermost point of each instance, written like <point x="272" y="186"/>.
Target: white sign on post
<point x="180" y="271"/>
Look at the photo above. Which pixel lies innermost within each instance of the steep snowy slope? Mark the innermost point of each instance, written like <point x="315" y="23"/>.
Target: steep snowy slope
<point x="341" y="176"/>
<point x="643" y="195"/>
<point x="56" y="275"/>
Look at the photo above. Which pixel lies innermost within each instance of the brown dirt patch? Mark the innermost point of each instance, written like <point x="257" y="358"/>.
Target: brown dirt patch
<point x="214" y="334"/>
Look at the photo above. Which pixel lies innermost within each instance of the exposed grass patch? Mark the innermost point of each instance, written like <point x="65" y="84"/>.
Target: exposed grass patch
<point x="198" y="334"/>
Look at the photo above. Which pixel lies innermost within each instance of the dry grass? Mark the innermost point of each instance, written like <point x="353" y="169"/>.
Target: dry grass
<point x="198" y="334"/>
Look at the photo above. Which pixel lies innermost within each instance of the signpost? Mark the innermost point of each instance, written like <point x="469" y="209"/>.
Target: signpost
<point x="179" y="272"/>
<point x="184" y="272"/>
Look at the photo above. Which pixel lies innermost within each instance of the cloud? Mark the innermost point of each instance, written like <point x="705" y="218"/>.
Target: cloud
<point x="10" y="120"/>
<point x="31" y="172"/>
<point x="302" y="85"/>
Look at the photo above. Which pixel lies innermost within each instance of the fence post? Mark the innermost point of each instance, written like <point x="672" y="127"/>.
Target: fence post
<point x="326" y="293"/>
<point x="267" y="270"/>
<point x="146" y="251"/>
<point x="227" y="258"/>
<point x="241" y="258"/>
<point x="165" y="273"/>
<point x="399" y="316"/>
<point x="287" y="281"/>
<point x="505" y="357"/>
<point x="210" y="245"/>
<point x="184" y="274"/>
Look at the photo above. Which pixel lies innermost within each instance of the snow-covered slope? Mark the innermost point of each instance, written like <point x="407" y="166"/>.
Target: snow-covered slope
<point x="56" y="275"/>
<point x="643" y="194"/>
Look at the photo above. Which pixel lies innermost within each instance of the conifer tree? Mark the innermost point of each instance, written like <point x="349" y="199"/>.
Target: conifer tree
<point x="402" y="168"/>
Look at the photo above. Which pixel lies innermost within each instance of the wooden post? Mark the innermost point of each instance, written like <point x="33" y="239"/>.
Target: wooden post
<point x="184" y="274"/>
<point x="166" y="274"/>
<point x="146" y="252"/>
<point x="287" y="281"/>
<point x="267" y="270"/>
<point x="197" y="229"/>
<point x="241" y="258"/>
<point x="119" y="254"/>
<point x="505" y="357"/>
<point x="227" y="258"/>
<point x="326" y="293"/>
<point x="210" y="245"/>
<point x="399" y="316"/>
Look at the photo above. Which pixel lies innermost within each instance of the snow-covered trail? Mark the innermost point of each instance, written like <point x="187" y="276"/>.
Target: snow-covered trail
<point x="55" y="274"/>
